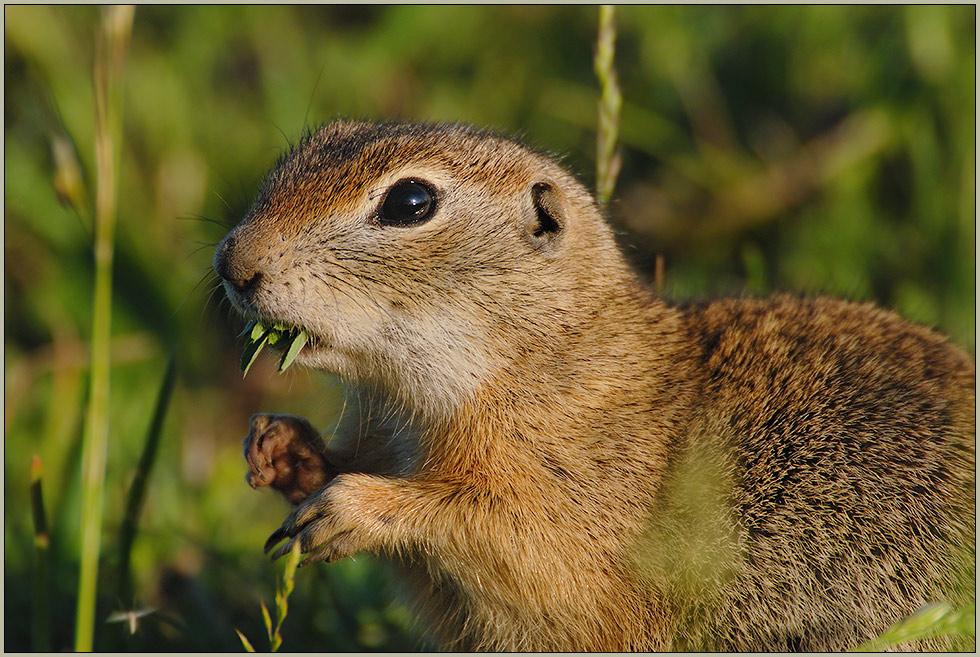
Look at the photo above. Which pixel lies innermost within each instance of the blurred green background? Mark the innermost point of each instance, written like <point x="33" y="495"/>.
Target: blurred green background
<point x="814" y="149"/>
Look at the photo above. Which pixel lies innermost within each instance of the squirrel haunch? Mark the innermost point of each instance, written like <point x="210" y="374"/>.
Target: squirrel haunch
<point x="559" y="460"/>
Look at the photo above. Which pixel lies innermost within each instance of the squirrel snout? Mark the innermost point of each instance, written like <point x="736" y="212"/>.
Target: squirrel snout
<point x="236" y="266"/>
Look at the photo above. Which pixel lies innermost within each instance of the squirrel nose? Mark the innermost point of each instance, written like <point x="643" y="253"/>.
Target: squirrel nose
<point x="236" y="266"/>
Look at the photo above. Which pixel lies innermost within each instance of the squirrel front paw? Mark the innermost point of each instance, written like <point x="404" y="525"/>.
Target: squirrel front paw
<point x="287" y="454"/>
<point x="336" y="522"/>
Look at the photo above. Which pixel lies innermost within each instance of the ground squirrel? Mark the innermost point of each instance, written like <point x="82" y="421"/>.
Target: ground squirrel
<point x="555" y="459"/>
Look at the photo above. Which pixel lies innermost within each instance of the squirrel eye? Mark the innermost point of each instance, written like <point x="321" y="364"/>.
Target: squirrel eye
<point x="407" y="202"/>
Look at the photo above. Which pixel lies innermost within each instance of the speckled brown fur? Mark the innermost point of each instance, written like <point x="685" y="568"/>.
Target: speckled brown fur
<point x="557" y="460"/>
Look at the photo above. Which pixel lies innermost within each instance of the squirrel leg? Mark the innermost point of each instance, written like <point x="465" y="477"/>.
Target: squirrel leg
<point x="287" y="454"/>
<point x="357" y="512"/>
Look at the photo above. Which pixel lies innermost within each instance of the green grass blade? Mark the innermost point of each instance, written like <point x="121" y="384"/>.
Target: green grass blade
<point x="245" y="642"/>
<point x="283" y="592"/>
<point x="267" y="619"/>
<point x="110" y="51"/>
<point x="137" y="490"/>
<point x="252" y="350"/>
<point x="933" y="620"/>
<point x="252" y="325"/>
<point x="41" y="627"/>
<point x="293" y="351"/>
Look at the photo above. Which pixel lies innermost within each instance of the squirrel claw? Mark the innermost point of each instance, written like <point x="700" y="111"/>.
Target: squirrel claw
<point x="274" y="540"/>
<point x="322" y="555"/>
<point x="283" y="550"/>
<point x="255" y="479"/>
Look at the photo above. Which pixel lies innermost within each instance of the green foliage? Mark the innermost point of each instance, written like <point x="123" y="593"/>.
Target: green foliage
<point x="813" y="148"/>
<point x="290" y="339"/>
<point x="931" y="621"/>
<point x="283" y="590"/>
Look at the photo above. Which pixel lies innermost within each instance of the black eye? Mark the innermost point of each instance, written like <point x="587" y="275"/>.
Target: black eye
<point x="407" y="202"/>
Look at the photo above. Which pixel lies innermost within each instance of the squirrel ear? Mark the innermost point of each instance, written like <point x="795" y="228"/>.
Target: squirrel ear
<point x="549" y="213"/>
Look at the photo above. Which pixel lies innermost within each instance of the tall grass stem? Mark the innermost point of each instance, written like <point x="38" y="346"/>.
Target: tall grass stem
<point x="284" y="589"/>
<point x="610" y="105"/>
<point x="111" y="44"/>
<point x="283" y="592"/>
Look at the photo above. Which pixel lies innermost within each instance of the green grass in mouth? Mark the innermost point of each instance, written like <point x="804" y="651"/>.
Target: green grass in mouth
<point x="260" y="335"/>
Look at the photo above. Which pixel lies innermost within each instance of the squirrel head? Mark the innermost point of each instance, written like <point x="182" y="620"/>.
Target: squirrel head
<point x="420" y="258"/>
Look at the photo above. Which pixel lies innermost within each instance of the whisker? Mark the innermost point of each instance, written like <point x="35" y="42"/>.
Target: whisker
<point x="204" y="219"/>
<point x="309" y="103"/>
<point x="222" y="199"/>
<point x="201" y="247"/>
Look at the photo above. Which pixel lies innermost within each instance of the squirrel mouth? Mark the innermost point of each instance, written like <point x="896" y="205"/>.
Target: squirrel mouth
<point x="290" y="340"/>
